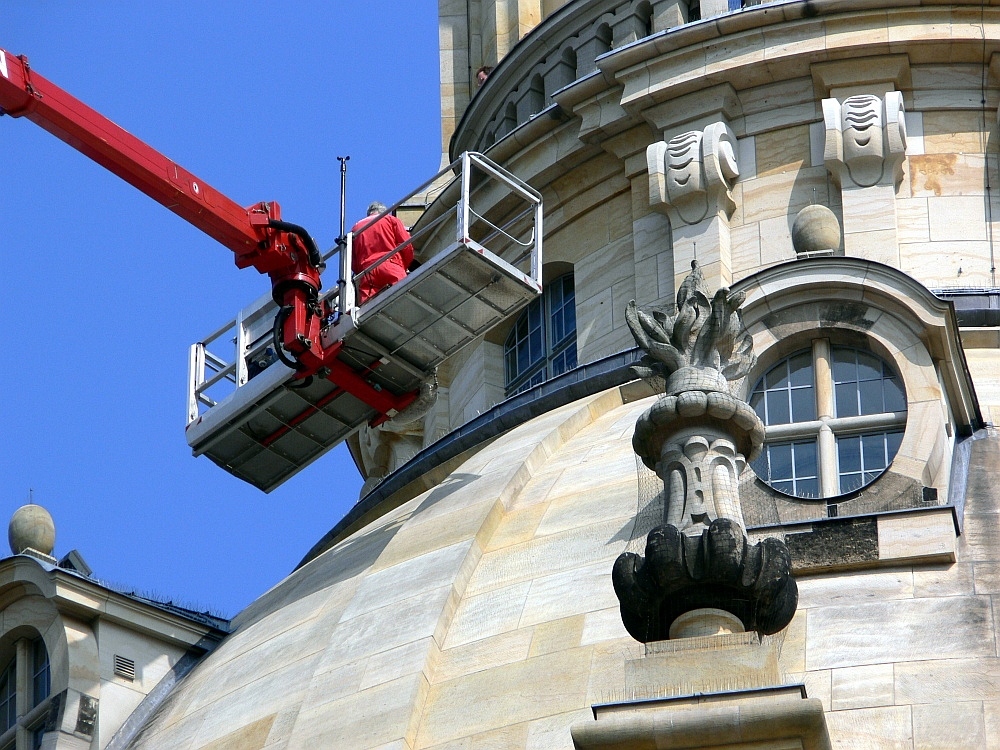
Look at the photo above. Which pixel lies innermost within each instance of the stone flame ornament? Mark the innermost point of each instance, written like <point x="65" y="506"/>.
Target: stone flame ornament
<point x="697" y="438"/>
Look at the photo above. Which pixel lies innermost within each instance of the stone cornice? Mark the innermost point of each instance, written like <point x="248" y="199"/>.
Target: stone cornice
<point x="88" y="600"/>
<point x="755" y="46"/>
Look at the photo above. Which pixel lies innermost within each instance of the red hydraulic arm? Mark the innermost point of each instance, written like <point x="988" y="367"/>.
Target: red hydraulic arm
<point x="256" y="235"/>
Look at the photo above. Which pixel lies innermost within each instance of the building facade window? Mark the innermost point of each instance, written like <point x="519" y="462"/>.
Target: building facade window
<point x="30" y="659"/>
<point x="542" y="342"/>
<point x="41" y="680"/>
<point x="834" y="417"/>
<point x="8" y="695"/>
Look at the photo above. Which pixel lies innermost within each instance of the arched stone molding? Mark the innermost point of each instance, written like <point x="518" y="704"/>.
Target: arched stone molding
<point x="71" y="643"/>
<point x="865" y="303"/>
<point x="72" y="703"/>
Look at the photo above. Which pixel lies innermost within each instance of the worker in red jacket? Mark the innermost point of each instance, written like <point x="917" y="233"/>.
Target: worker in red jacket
<point x="372" y="242"/>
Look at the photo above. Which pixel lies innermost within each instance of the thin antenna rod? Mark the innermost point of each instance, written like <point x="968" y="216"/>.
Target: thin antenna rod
<point x="343" y="194"/>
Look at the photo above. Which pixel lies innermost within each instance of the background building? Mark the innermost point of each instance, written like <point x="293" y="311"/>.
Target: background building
<point x="467" y="600"/>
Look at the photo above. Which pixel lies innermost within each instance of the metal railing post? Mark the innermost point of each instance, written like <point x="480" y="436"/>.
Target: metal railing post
<point x="536" y="256"/>
<point x="464" y="198"/>
<point x="242" y="348"/>
<point x="196" y="376"/>
<point x="345" y="303"/>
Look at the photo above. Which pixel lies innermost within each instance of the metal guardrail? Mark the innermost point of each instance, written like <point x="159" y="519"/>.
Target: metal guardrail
<point x="481" y="206"/>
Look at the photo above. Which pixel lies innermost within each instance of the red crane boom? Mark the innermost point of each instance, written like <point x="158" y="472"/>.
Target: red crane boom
<point x="257" y="235"/>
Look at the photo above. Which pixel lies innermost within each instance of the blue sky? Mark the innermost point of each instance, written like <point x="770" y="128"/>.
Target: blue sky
<point x="104" y="290"/>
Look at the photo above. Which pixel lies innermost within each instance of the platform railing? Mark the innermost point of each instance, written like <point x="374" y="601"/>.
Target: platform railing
<point x="481" y="206"/>
<point x="513" y="234"/>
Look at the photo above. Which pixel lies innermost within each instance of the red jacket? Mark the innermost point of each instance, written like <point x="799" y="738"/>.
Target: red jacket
<point x="374" y="243"/>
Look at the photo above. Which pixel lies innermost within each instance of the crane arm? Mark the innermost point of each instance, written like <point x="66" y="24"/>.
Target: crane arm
<point x="24" y="93"/>
<point x="257" y="235"/>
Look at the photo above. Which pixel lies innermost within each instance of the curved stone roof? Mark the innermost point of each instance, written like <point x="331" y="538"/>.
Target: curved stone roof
<point x="498" y="579"/>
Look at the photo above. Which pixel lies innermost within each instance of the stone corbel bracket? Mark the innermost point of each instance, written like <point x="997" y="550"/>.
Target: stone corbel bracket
<point x="865" y="139"/>
<point x="691" y="176"/>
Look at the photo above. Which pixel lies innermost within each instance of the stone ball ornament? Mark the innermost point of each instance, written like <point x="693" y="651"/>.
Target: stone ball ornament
<point x="815" y="230"/>
<point x="31" y="527"/>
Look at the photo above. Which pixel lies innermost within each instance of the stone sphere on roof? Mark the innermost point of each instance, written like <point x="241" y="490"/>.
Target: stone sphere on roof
<point x="816" y="229"/>
<point x="31" y="526"/>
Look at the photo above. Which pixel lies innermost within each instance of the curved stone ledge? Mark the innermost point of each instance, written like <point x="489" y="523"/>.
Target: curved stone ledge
<point x="610" y="44"/>
<point x="561" y="50"/>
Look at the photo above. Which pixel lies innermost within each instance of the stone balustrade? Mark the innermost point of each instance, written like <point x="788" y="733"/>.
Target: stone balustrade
<point x="564" y="49"/>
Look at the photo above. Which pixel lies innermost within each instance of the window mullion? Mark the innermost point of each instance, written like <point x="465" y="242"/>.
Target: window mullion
<point x="843" y="426"/>
<point x="829" y="476"/>
<point x="792" y="430"/>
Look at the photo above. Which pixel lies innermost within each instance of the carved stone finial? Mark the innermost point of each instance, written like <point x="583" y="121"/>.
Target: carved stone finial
<point x="700" y="347"/>
<point x="816" y="231"/>
<point x="697" y="438"/>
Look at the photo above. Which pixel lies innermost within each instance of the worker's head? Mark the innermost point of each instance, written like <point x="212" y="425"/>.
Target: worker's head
<point x="375" y="208"/>
<point x="482" y="74"/>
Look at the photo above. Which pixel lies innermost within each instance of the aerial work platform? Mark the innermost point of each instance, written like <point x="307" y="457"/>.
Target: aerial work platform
<point x="290" y="378"/>
<point x="480" y="248"/>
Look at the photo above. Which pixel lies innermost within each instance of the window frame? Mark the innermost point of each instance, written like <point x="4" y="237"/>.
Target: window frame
<point x="8" y="694"/>
<point x="556" y="349"/>
<point x="27" y="679"/>
<point x="827" y="428"/>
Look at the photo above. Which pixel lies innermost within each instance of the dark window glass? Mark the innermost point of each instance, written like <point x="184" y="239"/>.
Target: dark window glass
<point x="536" y="350"/>
<point x="805" y="459"/>
<point x="862" y="458"/>
<point x="850" y="482"/>
<point x="873" y="451"/>
<point x="846" y="395"/>
<point x="862" y="385"/>
<point x="845" y="366"/>
<point x="803" y="405"/>
<point x="41" y="675"/>
<point x="777" y="377"/>
<point x="800" y="369"/>
<point x="785" y="393"/>
<point x="780" y="460"/>
<point x="894" y="398"/>
<point x="892" y="441"/>
<point x="870" y="392"/>
<point x="807" y="488"/>
<point x="8" y="702"/>
<point x="869" y="366"/>
<point x="849" y="453"/>
<point x="777" y="407"/>
<point x="789" y="468"/>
